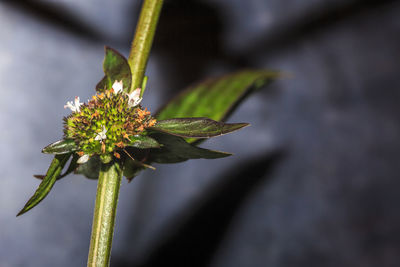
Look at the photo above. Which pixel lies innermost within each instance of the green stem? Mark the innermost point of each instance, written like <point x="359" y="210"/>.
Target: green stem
<point x="110" y="174"/>
<point x="143" y="40"/>
<point x="104" y="215"/>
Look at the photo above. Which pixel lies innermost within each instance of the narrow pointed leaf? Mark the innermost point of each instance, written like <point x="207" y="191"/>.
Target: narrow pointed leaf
<point x="91" y="168"/>
<point x="216" y="98"/>
<point x="47" y="183"/>
<point x="175" y="149"/>
<point x="196" y="127"/>
<point x="63" y="146"/>
<point x="72" y="166"/>
<point x="116" y="68"/>
<point x="143" y="142"/>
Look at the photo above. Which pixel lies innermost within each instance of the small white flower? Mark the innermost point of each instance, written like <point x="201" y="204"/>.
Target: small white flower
<point x="134" y="98"/>
<point x="74" y="106"/>
<point x="83" y="159"/>
<point x="117" y="87"/>
<point x="102" y="135"/>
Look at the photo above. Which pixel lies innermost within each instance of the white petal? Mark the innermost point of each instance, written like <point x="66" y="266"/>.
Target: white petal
<point x="134" y="98"/>
<point x="77" y="104"/>
<point x="83" y="159"/>
<point x="74" y="106"/>
<point x="69" y="105"/>
<point x="102" y="135"/>
<point x="117" y="87"/>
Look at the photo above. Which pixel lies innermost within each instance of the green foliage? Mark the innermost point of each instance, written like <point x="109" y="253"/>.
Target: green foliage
<point x="47" y="183"/>
<point x="116" y="68"/>
<point x="111" y="127"/>
<point x="72" y="166"/>
<point x="175" y="149"/>
<point x="142" y="141"/>
<point x="215" y="98"/>
<point x="196" y="127"/>
<point x="90" y="169"/>
<point x="63" y="146"/>
<point x="132" y="168"/>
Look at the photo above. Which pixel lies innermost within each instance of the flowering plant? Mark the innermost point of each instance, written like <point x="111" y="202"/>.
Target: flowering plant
<point x="112" y="126"/>
<point x="112" y="135"/>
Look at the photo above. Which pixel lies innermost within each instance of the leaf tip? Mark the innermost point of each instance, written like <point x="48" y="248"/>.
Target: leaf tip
<point x="243" y="125"/>
<point x="22" y="211"/>
<point x="240" y="125"/>
<point x="107" y="49"/>
<point x="227" y="154"/>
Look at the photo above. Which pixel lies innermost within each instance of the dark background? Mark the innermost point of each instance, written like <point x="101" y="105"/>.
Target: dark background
<point x="313" y="182"/>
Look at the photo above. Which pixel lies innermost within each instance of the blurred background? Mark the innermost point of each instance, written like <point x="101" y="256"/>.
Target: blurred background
<point x="313" y="182"/>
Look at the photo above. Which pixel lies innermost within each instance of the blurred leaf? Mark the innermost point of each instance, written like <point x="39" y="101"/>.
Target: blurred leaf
<point x="132" y="169"/>
<point x="175" y="149"/>
<point x="196" y="127"/>
<point x="216" y="98"/>
<point x="115" y="68"/>
<point x="47" y="183"/>
<point x="63" y="146"/>
<point x="91" y="168"/>
<point x="136" y="160"/>
<point x="142" y="141"/>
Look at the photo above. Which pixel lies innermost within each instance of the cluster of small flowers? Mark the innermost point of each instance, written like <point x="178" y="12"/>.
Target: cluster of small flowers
<point x="107" y="122"/>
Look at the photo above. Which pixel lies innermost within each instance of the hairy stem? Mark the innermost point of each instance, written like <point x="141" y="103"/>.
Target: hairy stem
<point x="143" y="40"/>
<point x="104" y="215"/>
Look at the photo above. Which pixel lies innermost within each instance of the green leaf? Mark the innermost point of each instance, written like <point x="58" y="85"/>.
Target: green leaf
<point x="72" y="166"/>
<point x="91" y="168"/>
<point x="216" y="98"/>
<point x="196" y="127"/>
<point x="116" y="68"/>
<point x="47" y="183"/>
<point x="103" y="85"/>
<point x="175" y="149"/>
<point x="63" y="146"/>
<point x="132" y="169"/>
<point x="143" y="142"/>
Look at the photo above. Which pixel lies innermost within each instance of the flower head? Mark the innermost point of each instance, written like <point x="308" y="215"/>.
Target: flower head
<point x="74" y="106"/>
<point x="107" y="123"/>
